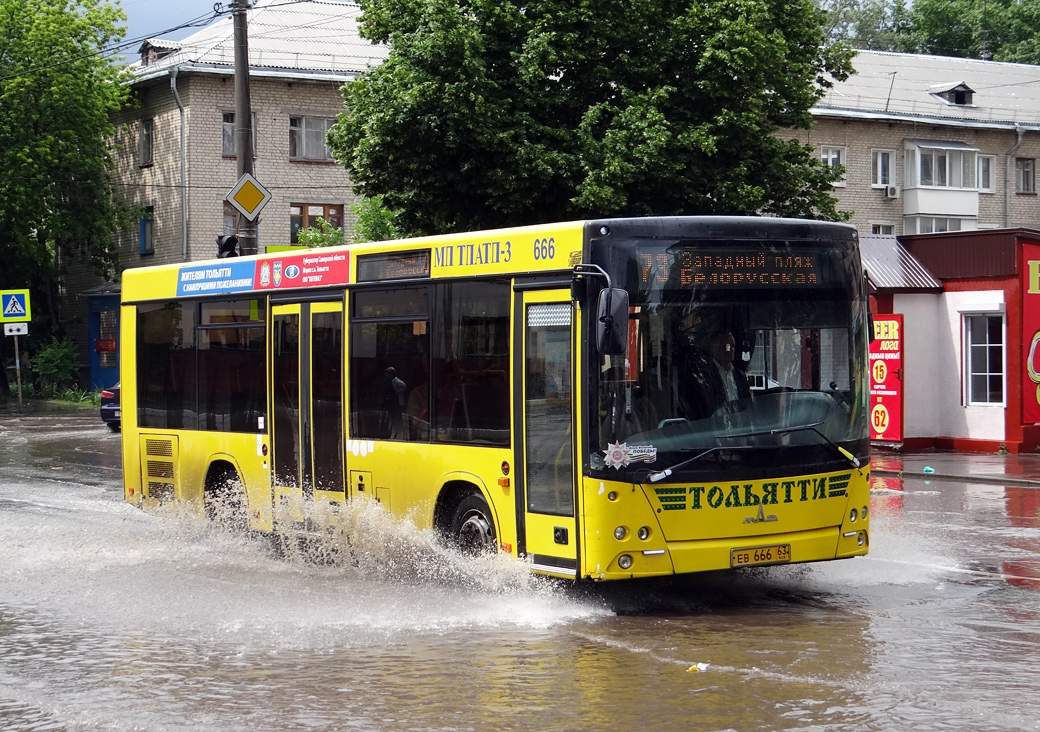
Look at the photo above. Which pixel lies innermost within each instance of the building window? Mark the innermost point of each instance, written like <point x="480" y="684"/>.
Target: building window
<point x="307" y="138"/>
<point x="984" y="358"/>
<point x="960" y="95"/>
<point x="931" y="224"/>
<point x="144" y="142"/>
<point x="987" y="167"/>
<point x="947" y="168"/>
<point x="834" y="157"/>
<point x="230" y="218"/>
<point x="941" y="165"/>
<point x="306" y="215"/>
<point x="1025" y="181"/>
<point x="882" y="228"/>
<point x="881" y="167"/>
<point x="228" y="143"/>
<point x="146" y="224"/>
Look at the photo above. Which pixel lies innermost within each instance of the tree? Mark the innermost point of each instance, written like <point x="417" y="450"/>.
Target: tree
<point x="56" y="93"/>
<point x="494" y="112"/>
<point x="876" y="25"/>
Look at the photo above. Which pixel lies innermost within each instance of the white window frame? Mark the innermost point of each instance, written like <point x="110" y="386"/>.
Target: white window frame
<point x="304" y="131"/>
<point x="1025" y="175"/>
<point x="146" y="142"/>
<point x="832" y="156"/>
<point x="982" y="349"/>
<point x="227" y="128"/>
<point x="919" y="224"/>
<point x="875" y="227"/>
<point x="991" y="165"/>
<point x="950" y="168"/>
<point x="876" y="179"/>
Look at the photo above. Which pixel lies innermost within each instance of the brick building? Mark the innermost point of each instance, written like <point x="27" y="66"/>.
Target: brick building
<point x="933" y="144"/>
<point x="176" y="157"/>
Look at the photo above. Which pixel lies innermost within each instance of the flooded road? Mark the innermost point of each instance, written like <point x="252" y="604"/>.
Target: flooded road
<point x="116" y="619"/>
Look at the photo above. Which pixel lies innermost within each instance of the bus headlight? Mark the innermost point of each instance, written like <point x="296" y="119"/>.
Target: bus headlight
<point x="624" y="561"/>
<point x="620" y="533"/>
<point x="863" y="513"/>
<point x="853" y="515"/>
<point x="643" y="533"/>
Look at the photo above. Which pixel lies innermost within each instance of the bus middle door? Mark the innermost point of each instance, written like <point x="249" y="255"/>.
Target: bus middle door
<point x="307" y="410"/>
<point x="545" y="448"/>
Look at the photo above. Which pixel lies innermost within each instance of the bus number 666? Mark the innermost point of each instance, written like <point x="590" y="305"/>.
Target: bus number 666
<point x="545" y="248"/>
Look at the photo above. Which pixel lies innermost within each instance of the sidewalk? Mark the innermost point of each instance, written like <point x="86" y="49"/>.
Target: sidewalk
<point x="976" y="467"/>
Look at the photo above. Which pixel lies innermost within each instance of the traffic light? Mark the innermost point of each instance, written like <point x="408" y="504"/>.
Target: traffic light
<point x="226" y="246"/>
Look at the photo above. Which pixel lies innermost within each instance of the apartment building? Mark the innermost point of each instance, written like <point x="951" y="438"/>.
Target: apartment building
<point x="176" y="156"/>
<point x="933" y="144"/>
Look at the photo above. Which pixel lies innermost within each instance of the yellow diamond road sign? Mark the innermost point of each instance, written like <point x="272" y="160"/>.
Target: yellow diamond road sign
<point x="248" y="196"/>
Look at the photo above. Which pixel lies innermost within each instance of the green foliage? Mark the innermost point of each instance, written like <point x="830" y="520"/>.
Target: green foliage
<point x="56" y="94"/>
<point x="324" y="235"/>
<point x="55" y="367"/>
<point x="1004" y="30"/>
<point x="375" y="222"/>
<point x="496" y="112"/>
<point x="876" y="25"/>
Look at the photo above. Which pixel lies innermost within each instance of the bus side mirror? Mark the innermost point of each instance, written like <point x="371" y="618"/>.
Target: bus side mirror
<point x="612" y="322"/>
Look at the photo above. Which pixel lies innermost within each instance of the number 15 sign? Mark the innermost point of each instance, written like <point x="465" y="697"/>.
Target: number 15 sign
<point x="886" y="379"/>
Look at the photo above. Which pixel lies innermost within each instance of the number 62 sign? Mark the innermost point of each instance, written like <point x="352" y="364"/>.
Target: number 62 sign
<point x="886" y="379"/>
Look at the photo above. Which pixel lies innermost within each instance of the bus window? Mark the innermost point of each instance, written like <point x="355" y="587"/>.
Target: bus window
<point x="471" y="363"/>
<point x="389" y="349"/>
<point x="166" y="388"/>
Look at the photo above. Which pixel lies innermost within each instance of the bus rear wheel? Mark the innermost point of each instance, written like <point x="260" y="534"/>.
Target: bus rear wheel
<point x="472" y="528"/>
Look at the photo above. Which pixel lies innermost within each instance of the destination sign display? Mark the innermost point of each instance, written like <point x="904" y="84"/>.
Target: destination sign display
<point x="730" y="267"/>
<point x="393" y="266"/>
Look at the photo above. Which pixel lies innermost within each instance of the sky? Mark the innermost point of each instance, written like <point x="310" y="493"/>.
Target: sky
<point x="148" y="18"/>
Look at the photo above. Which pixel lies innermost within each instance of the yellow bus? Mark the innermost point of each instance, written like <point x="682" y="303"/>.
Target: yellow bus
<point x="604" y="399"/>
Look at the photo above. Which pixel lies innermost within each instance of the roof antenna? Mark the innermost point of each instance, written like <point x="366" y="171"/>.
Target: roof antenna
<point x="891" y="84"/>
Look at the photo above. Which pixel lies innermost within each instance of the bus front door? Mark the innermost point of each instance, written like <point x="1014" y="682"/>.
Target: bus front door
<point x="545" y="448"/>
<point x="307" y="409"/>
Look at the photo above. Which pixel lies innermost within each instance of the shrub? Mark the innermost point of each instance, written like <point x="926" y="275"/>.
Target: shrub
<point x="55" y="367"/>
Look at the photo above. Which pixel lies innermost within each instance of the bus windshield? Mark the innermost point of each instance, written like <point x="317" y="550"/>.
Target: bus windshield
<point x="737" y="350"/>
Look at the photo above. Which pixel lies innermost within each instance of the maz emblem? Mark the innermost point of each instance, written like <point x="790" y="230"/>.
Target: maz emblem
<point x="761" y="518"/>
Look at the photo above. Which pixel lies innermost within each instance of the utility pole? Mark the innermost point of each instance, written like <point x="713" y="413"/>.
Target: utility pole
<point x="247" y="238"/>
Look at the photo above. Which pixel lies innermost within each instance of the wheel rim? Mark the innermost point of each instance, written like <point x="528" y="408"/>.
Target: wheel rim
<point x="475" y="534"/>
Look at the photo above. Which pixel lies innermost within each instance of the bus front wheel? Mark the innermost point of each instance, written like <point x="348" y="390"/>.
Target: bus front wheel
<point x="472" y="528"/>
<point x="225" y="500"/>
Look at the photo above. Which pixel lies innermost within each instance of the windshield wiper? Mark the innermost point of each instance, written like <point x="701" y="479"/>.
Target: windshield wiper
<point x="801" y="428"/>
<point x="662" y="474"/>
<point x="812" y="428"/>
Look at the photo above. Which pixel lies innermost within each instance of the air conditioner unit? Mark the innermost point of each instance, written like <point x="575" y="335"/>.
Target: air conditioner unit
<point x="891" y="191"/>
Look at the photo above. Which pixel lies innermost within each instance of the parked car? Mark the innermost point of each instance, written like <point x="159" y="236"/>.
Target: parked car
<point x="110" y="407"/>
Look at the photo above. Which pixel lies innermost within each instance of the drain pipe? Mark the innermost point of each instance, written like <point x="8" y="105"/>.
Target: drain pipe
<point x="184" y="175"/>
<point x="1008" y="175"/>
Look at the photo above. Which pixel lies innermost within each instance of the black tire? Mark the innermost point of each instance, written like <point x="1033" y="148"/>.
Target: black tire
<point x="225" y="501"/>
<point x="114" y="426"/>
<point x="472" y="528"/>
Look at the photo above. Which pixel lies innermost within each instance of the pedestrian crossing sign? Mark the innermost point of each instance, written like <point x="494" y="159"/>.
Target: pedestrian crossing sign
<point x="14" y="306"/>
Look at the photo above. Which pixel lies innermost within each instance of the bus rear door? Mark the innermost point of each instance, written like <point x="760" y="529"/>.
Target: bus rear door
<point x="546" y="507"/>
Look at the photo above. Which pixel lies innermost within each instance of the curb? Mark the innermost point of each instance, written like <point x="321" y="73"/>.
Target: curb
<point x="987" y="479"/>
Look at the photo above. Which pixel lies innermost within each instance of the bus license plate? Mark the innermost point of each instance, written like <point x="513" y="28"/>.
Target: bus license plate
<point x="755" y="555"/>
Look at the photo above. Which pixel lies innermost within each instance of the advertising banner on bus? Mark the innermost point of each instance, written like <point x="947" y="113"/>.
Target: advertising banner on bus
<point x="886" y="379"/>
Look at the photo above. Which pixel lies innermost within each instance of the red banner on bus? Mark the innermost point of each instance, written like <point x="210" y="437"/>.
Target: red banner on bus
<point x="886" y="379"/>
<point x="313" y="268"/>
